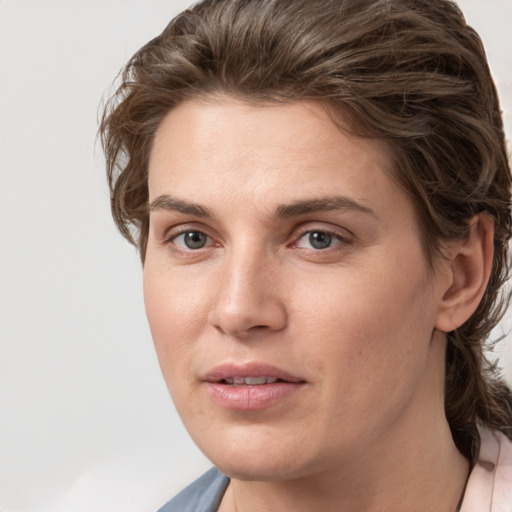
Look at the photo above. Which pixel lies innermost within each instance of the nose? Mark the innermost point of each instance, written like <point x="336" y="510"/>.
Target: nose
<point x="249" y="299"/>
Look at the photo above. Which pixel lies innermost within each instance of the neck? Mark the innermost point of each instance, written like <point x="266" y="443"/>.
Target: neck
<point x="414" y="465"/>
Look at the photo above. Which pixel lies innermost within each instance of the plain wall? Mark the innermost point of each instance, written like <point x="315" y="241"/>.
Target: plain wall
<point x="86" y="424"/>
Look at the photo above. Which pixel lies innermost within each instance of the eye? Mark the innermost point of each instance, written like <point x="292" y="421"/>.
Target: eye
<point x="191" y="240"/>
<point x="318" y="240"/>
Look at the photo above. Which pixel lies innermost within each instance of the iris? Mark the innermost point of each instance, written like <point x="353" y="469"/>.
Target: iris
<point x="320" y="239"/>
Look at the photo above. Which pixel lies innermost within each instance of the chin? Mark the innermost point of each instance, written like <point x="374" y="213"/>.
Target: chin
<point x="258" y="453"/>
<point x="261" y="470"/>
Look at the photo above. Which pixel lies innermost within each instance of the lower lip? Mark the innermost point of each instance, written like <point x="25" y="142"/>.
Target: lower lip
<point x="251" y="398"/>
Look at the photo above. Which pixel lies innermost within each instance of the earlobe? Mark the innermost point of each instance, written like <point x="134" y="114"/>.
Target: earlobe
<point x="471" y="262"/>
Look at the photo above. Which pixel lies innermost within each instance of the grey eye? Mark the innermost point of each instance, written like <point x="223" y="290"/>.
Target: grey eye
<point x="191" y="240"/>
<point x="319" y="239"/>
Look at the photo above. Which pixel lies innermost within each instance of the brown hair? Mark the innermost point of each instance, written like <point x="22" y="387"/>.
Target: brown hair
<point x="410" y="72"/>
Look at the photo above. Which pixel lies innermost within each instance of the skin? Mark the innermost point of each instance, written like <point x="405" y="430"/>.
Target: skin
<point x="356" y="321"/>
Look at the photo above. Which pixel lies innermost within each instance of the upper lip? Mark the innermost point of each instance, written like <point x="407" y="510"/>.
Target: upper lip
<point x="253" y="369"/>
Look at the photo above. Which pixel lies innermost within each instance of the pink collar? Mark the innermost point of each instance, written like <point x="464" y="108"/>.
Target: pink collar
<point x="489" y="487"/>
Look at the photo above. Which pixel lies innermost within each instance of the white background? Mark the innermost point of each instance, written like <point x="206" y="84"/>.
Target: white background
<point x="86" y="424"/>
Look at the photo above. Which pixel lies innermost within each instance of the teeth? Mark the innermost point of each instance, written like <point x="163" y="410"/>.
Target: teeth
<point x="255" y="381"/>
<point x="250" y="381"/>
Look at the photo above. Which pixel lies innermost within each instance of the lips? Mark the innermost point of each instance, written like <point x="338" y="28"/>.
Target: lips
<point x="251" y="386"/>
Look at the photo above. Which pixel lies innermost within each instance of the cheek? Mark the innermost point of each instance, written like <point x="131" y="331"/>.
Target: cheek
<point x="176" y="310"/>
<point x="372" y="326"/>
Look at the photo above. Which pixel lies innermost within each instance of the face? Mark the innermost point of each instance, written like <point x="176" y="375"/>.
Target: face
<point x="288" y="296"/>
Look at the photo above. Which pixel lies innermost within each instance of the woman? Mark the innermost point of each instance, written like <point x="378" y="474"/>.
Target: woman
<point x="321" y="198"/>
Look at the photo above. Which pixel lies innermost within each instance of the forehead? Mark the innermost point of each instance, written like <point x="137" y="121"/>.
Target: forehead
<point x="292" y="144"/>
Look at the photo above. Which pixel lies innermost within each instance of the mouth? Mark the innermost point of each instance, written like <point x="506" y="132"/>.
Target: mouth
<point x="251" y="386"/>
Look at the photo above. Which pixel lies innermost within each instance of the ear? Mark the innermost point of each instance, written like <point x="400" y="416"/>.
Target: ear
<point x="471" y="262"/>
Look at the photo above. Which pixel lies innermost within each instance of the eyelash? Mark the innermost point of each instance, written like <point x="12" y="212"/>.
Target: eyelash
<point x="171" y="240"/>
<point x="334" y="237"/>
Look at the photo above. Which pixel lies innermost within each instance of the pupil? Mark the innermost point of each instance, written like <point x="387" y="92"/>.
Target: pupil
<point x="195" y="240"/>
<point x="320" y="240"/>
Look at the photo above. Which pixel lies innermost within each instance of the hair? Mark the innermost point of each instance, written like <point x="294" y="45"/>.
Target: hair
<point x="409" y="72"/>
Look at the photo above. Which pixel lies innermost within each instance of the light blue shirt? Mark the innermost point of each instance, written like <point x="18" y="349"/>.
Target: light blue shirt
<point x="203" y="495"/>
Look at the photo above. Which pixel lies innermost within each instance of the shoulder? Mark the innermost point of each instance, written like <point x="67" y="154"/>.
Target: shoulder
<point x="203" y="495"/>
<point x="489" y="486"/>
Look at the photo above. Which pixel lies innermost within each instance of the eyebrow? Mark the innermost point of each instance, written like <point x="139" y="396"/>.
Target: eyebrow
<point x="296" y="208"/>
<point x="323" y="204"/>
<point x="166" y="202"/>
